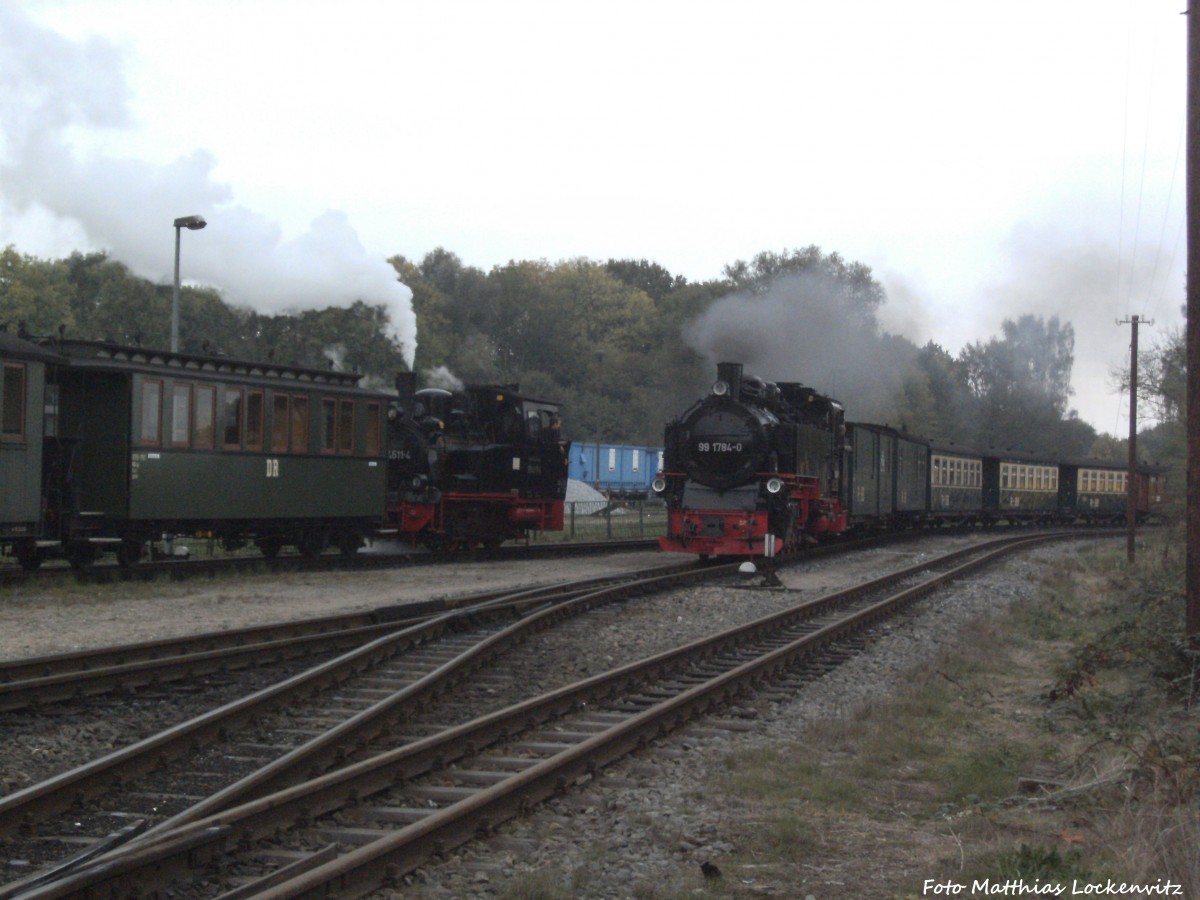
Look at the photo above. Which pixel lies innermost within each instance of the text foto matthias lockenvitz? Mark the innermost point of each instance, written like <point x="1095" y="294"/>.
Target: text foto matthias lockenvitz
<point x="1018" y="887"/>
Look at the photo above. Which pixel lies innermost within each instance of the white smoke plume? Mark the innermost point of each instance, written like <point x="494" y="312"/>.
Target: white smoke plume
<point x="55" y="92"/>
<point x="443" y="378"/>
<point x="336" y="356"/>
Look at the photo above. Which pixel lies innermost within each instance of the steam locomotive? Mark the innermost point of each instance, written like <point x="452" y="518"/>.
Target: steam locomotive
<point x="752" y="466"/>
<point x="474" y="467"/>
<point x="758" y="468"/>
<point x="106" y="448"/>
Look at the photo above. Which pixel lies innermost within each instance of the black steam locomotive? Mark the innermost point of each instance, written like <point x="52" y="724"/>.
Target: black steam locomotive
<point x="473" y="467"/>
<point x="752" y="466"/>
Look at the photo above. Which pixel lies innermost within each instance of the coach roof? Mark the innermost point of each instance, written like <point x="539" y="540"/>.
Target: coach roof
<point x="105" y="355"/>
<point x="13" y="347"/>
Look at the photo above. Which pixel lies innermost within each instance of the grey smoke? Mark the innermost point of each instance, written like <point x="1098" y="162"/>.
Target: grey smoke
<point x="799" y="330"/>
<point x="55" y="92"/>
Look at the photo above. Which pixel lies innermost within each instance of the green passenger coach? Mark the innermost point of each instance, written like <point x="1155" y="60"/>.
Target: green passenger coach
<point x="151" y="443"/>
<point x="23" y="371"/>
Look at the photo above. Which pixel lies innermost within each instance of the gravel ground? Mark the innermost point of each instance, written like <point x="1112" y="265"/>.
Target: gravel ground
<point x="36" y="621"/>
<point x="38" y="745"/>
<point x="648" y="822"/>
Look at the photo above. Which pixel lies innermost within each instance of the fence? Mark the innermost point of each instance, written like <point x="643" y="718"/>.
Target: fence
<point x="602" y="520"/>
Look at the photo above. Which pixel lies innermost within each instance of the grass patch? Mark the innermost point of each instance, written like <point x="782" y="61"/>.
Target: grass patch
<point x="780" y="777"/>
<point x="1083" y="690"/>
<point x="1030" y="864"/>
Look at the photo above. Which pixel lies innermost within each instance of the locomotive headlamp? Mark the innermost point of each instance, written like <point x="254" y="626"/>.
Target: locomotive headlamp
<point x="774" y="485"/>
<point x="659" y="484"/>
<point x="720" y="389"/>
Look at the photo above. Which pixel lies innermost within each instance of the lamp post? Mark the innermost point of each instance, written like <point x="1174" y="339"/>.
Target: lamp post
<point x="192" y="223"/>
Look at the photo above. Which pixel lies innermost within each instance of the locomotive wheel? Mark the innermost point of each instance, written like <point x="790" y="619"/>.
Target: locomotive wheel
<point x="348" y="544"/>
<point x="311" y="544"/>
<point x="129" y="553"/>
<point x="269" y="547"/>
<point x="30" y="556"/>
<point x="81" y="556"/>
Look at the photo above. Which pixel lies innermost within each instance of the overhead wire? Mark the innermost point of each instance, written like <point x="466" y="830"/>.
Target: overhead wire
<point x="1156" y="297"/>
<point x="1124" y="167"/>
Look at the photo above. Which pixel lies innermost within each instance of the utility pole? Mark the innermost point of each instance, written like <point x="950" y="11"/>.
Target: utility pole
<point x="1193" y="330"/>
<point x="1131" y="484"/>
<point x="1132" y="477"/>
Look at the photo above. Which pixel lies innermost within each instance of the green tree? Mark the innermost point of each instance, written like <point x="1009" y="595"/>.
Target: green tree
<point x="353" y="339"/>
<point x="1162" y="383"/>
<point x="855" y="288"/>
<point x="526" y="323"/>
<point x="1021" y="387"/>
<point x="649" y="277"/>
<point x="1162" y="391"/>
<point x="35" y="294"/>
<point x="1110" y="448"/>
<point x="115" y="305"/>
<point x="953" y="403"/>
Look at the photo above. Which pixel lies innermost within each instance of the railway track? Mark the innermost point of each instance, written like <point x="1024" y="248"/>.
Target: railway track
<point x="42" y="680"/>
<point x="39" y="681"/>
<point x="182" y="569"/>
<point x="264" y="739"/>
<point x="361" y="826"/>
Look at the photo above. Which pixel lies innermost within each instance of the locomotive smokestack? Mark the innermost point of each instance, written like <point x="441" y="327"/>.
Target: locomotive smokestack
<point x="731" y="374"/>
<point x="406" y="386"/>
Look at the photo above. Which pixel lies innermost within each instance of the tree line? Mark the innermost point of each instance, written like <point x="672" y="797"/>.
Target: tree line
<point x="623" y="344"/>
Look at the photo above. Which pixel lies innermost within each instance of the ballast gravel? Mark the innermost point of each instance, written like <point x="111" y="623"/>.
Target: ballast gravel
<point x="648" y="822"/>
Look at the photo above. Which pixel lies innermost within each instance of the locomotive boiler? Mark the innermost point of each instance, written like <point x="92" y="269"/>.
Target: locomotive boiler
<point x="752" y="469"/>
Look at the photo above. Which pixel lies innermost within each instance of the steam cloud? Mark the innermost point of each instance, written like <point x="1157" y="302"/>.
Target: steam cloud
<point x="53" y="88"/>
<point x="798" y="330"/>
<point x="443" y="378"/>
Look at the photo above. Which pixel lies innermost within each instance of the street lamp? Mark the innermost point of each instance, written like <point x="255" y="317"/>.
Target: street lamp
<point x="192" y="223"/>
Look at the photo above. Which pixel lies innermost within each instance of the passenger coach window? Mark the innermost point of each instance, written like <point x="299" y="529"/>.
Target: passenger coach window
<point x="181" y="414"/>
<point x="13" y="426"/>
<point x="299" y="424"/>
<point x="204" y="430"/>
<point x="254" y="420"/>
<point x="280" y="414"/>
<point x="329" y="425"/>
<point x="152" y="392"/>
<point x="345" y="443"/>
<point x="233" y="418"/>
<point x="50" y="411"/>
<point x="374" y="429"/>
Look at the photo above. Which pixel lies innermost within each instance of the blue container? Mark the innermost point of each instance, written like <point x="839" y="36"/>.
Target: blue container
<point x="617" y="470"/>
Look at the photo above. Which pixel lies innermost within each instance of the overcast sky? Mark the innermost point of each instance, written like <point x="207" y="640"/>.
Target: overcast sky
<point x="985" y="160"/>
